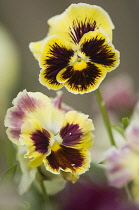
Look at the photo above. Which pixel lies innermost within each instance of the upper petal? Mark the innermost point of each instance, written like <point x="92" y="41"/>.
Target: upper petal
<point x="57" y="103"/>
<point x="79" y="19"/>
<point x="27" y="105"/>
<point x="35" y="48"/>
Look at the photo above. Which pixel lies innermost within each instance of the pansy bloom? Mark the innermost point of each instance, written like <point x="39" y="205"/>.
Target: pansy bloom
<point x="60" y="140"/>
<point x="78" y="51"/>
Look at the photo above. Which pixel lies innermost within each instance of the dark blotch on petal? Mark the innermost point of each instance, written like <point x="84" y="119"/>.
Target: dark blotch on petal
<point x="41" y="140"/>
<point x="65" y="158"/>
<point x="81" y="80"/>
<point x="98" y="52"/>
<point x="58" y="60"/>
<point x="80" y="28"/>
<point x="71" y="134"/>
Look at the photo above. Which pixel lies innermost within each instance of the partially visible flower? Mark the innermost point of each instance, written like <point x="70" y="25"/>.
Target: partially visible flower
<point x="59" y="140"/>
<point x="78" y="52"/>
<point x="57" y="103"/>
<point x="120" y="100"/>
<point x="119" y="94"/>
<point x="92" y="196"/>
<point x="123" y="164"/>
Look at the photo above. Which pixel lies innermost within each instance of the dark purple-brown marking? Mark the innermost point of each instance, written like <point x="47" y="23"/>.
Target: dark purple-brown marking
<point x="81" y="80"/>
<point x="71" y="134"/>
<point x="65" y="158"/>
<point x="98" y="52"/>
<point x="58" y="60"/>
<point x="41" y="140"/>
<point x="80" y="28"/>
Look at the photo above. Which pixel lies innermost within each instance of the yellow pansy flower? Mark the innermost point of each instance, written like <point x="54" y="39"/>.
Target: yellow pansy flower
<point x="78" y="51"/>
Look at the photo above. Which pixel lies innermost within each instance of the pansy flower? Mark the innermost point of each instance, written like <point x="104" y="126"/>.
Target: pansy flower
<point x="78" y="51"/>
<point x="60" y="140"/>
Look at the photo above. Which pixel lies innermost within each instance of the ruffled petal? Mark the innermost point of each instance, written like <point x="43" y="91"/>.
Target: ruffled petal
<point x="68" y="160"/>
<point x="79" y="19"/>
<point x="35" y="48"/>
<point x="97" y="47"/>
<point x="76" y="131"/>
<point x="54" y="57"/>
<point x="27" y="105"/>
<point x="83" y="80"/>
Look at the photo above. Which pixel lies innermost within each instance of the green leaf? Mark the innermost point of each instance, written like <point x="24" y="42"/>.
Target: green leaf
<point x="8" y="176"/>
<point x="119" y="129"/>
<point x="125" y="122"/>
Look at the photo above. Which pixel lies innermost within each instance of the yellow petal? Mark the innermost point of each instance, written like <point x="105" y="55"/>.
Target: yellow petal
<point x="35" y="48"/>
<point x="81" y="18"/>
<point x="98" y="48"/>
<point x="76" y="131"/>
<point x="68" y="160"/>
<point x="55" y="55"/>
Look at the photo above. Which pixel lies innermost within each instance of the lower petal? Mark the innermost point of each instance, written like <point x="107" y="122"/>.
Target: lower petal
<point x="82" y="81"/>
<point x="68" y="160"/>
<point x="48" y="79"/>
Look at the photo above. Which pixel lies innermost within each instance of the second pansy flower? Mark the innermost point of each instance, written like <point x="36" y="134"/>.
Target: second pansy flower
<point x="58" y="139"/>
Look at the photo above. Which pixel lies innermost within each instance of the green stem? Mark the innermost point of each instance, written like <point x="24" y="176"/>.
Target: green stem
<point x="129" y="196"/>
<point x="104" y="113"/>
<point x="10" y="155"/>
<point x="45" y="196"/>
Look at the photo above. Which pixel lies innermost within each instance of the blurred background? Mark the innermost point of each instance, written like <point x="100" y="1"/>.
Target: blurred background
<point x="24" y="21"/>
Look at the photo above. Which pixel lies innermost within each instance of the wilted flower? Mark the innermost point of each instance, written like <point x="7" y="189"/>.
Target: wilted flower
<point x="78" y="51"/>
<point x="59" y="140"/>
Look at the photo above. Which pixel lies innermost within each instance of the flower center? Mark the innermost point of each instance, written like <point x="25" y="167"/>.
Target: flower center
<point x="79" y="61"/>
<point x="55" y="146"/>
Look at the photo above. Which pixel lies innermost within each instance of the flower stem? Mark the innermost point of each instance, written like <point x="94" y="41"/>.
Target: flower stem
<point x="127" y="189"/>
<point x="45" y="196"/>
<point x="105" y="117"/>
<point x="10" y="155"/>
